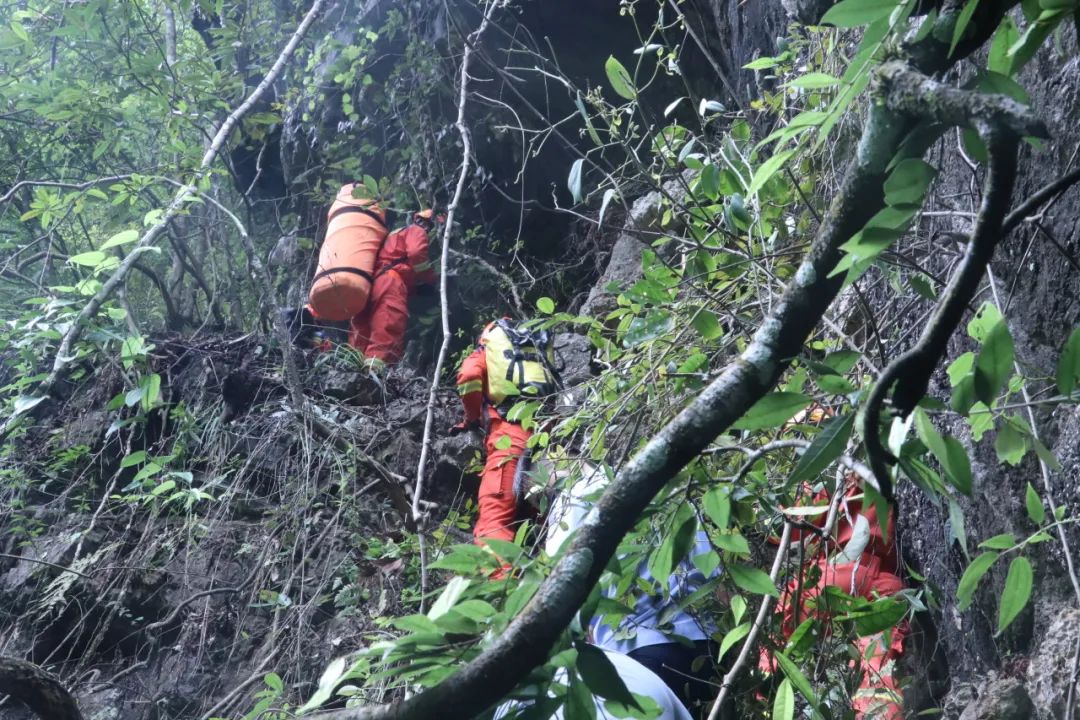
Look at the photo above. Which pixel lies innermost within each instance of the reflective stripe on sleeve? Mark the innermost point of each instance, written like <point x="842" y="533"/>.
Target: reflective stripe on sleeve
<point x="470" y="386"/>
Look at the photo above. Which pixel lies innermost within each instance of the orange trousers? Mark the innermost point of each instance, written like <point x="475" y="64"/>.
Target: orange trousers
<point x="878" y="696"/>
<point x="378" y="331"/>
<point x="498" y="506"/>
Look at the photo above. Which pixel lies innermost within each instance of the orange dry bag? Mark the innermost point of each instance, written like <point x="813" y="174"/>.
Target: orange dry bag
<point x="354" y="234"/>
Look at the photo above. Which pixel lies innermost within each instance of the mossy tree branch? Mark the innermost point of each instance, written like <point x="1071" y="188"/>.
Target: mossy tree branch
<point x="1000" y="123"/>
<point x="38" y="690"/>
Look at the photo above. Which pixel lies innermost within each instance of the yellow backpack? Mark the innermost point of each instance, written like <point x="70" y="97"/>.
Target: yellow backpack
<point x="520" y="362"/>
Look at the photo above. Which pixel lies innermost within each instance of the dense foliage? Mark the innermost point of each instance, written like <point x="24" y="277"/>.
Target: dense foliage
<point x="106" y="109"/>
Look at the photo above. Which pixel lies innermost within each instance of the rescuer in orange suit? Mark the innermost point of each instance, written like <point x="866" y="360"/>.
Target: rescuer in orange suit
<point x="496" y="501"/>
<point x="378" y="331"/>
<point x="874" y="575"/>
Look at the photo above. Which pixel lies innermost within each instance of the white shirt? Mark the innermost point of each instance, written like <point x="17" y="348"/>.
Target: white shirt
<point x="642" y="627"/>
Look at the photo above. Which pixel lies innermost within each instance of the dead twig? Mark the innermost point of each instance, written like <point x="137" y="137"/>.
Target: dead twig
<point x="755" y="629"/>
<point x="463" y="173"/>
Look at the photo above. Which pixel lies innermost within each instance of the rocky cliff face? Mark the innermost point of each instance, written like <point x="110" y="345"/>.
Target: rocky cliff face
<point x="1036" y="281"/>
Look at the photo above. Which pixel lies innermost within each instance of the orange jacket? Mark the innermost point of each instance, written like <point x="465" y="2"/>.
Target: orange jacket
<point x="405" y="251"/>
<point x="472" y="386"/>
<point x="879" y="545"/>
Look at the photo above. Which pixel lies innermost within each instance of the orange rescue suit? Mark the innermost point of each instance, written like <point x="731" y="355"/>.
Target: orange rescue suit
<point x="496" y="501"/>
<point x="378" y="331"/>
<point x="874" y="575"/>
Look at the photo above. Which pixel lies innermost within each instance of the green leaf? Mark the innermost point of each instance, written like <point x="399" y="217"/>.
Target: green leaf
<point x="735" y="635"/>
<point x="546" y="305"/>
<point x="1010" y="444"/>
<point x="503" y="442"/>
<point x="619" y="78"/>
<point x="767" y="169"/>
<point x="960" y="367"/>
<point x="1068" y="367"/>
<point x="600" y="675"/>
<point x="995" y="362"/>
<point x="784" y="703"/>
<point x="958" y="465"/>
<point x="588" y="123"/>
<point x="709" y="182"/>
<point x="814" y="81"/>
<point x="732" y="542"/>
<point x="1034" y="36"/>
<point x="1035" y="509"/>
<point x="19" y="30"/>
<point x="948" y="451"/>
<point x="676" y="544"/>
<point x="121" y="238"/>
<point x="579" y="701"/>
<point x="862" y="249"/>
<point x="795" y="675"/>
<point x="371" y="185"/>
<point x="853" y="13"/>
<point x="151" y="387"/>
<point x="573" y="182"/>
<point x="329" y="680"/>
<point x="921" y="285"/>
<point x="962" y="22"/>
<point x="997" y="84"/>
<point x="1017" y="592"/>
<point x="135" y="458"/>
<point x="706" y="562"/>
<point x="762" y="63"/>
<point x="969" y="581"/>
<point x="772" y="410"/>
<point x="881" y="615"/>
<point x="705" y="322"/>
<point x="1004" y="541"/>
<point x="1006" y="36"/>
<point x="827" y="445"/>
<point x="479" y="610"/>
<point x="986" y="317"/>
<point x="450" y="595"/>
<point x="148" y="470"/>
<point x="650" y="327"/>
<point x="908" y="181"/>
<point x="273" y="681"/>
<point x="753" y="580"/>
<point x="163" y="488"/>
<point x="88" y="259"/>
<point x="717" y="505"/>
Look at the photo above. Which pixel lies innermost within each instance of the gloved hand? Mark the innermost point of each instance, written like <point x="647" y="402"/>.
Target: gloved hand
<point x="463" y="427"/>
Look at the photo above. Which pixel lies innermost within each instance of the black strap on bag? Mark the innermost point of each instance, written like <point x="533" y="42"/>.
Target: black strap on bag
<point x="351" y="270"/>
<point x="358" y="209"/>
<point x="526" y="345"/>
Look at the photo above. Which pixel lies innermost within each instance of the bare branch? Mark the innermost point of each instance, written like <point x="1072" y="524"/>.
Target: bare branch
<point x="463" y="173"/>
<point x="911" y="371"/>
<point x="755" y="629"/>
<point x="65" y="185"/>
